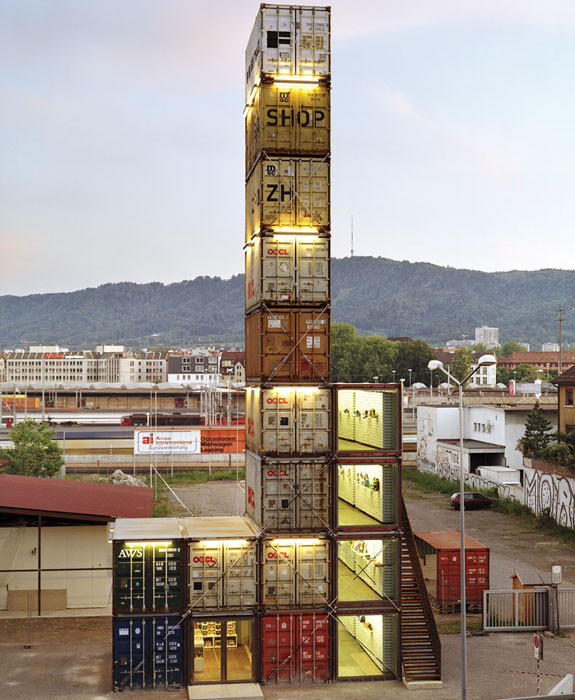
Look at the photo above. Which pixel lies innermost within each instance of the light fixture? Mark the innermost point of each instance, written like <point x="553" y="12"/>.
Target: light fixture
<point x="147" y="544"/>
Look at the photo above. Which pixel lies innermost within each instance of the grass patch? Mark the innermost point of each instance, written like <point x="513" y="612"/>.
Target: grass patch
<point x="429" y="483"/>
<point x="454" y="626"/>
<point x="197" y="476"/>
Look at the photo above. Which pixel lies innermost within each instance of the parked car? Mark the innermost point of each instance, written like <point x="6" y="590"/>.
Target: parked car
<point x="472" y="500"/>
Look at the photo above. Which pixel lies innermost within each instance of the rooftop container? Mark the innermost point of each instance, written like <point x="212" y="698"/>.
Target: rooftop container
<point x="288" y="345"/>
<point x="288" y="43"/>
<point x="439" y="554"/>
<point x="283" y="269"/>
<point x="290" y="421"/>
<point x="288" y="120"/>
<point x="284" y="495"/>
<point x="296" y="572"/>
<point x="295" y="647"/>
<point x="367" y="419"/>
<point x="288" y="195"/>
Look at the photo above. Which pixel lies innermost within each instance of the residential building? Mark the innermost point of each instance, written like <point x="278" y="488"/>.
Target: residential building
<point x="565" y="384"/>
<point x="201" y="367"/>
<point x="550" y="347"/>
<point x="488" y="336"/>
<point x="233" y="364"/>
<point x="143" y="367"/>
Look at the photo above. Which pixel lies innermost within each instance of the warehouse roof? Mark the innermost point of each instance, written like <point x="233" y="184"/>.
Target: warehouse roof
<point x="77" y="500"/>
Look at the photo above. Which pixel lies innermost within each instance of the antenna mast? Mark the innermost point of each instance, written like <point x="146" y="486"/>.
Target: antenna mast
<point x="352" y="235"/>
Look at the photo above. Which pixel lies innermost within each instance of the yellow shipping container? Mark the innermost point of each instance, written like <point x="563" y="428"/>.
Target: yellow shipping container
<point x="288" y="193"/>
<point x="290" y="120"/>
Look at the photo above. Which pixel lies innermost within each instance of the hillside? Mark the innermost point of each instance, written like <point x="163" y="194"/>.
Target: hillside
<point x="377" y="295"/>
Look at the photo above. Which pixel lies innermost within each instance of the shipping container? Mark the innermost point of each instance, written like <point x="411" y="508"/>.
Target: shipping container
<point x="148" y="576"/>
<point x="148" y="652"/>
<point x="288" y="421"/>
<point x="367" y="419"/>
<point x="368" y="645"/>
<point x="368" y="494"/>
<point x="284" y="495"/>
<point x="288" y="194"/>
<point x="288" y="120"/>
<point x="295" y="647"/>
<point x="290" y="43"/>
<point x="222" y="574"/>
<point x="368" y="569"/>
<point x="20" y="402"/>
<point x="439" y="554"/>
<point x="284" y="270"/>
<point x="288" y="345"/>
<point x="295" y="573"/>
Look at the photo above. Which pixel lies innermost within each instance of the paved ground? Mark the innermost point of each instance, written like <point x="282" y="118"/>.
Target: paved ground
<point x="71" y="658"/>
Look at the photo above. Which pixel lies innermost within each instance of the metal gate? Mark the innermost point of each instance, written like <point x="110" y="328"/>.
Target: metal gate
<point x="515" y="610"/>
<point x="566" y="607"/>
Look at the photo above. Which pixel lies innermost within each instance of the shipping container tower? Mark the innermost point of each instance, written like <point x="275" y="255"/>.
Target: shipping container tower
<point x="323" y="461"/>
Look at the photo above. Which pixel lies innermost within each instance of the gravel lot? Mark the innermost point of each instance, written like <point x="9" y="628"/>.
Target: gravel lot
<point x="72" y="657"/>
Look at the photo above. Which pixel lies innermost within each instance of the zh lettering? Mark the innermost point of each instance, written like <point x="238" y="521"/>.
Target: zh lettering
<point x="284" y="192"/>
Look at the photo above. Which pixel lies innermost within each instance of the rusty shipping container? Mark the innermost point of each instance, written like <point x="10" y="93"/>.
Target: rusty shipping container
<point x="439" y="553"/>
<point x="289" y="42"/>
<point x="288" y="420"/>
<point x="295" y="647"/>
<point x="296" y="573"/>
<point x="288" y="120"/>
<point x="288" y="193"/>
<point x="284" y="495"/>
<point x="288" y="345"/>
<point x="287" y="270"/>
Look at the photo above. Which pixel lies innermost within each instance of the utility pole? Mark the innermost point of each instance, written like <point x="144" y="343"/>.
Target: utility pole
<point x="560" y="318"/>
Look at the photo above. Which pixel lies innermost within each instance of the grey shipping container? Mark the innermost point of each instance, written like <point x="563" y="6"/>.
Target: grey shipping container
<point x="288" y="420"/>
<point x="295" y="572"/>
<point x="288" y="42"/>
<point x="287" y="270"/>
<point x="284" y="495"/>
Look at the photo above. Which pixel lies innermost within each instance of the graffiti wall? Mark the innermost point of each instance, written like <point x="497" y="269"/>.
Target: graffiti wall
<point x="543" y="490"/>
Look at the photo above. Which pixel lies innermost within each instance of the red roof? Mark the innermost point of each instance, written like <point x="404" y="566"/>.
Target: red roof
<point x="448" y="539"/>
<point x="75" y="498"/>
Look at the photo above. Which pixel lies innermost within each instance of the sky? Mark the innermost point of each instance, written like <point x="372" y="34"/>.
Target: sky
<point x="122" y="137"/>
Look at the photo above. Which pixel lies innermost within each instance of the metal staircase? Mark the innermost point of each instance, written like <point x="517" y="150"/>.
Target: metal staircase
<point x="420" y="645"/>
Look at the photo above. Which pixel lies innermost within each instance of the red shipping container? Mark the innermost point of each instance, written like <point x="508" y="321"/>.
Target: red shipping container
<point x="295" y="648"/>
<point x="439" y="553"/>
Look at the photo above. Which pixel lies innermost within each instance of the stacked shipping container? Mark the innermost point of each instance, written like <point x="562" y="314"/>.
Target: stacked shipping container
<point x="288" y="410"/>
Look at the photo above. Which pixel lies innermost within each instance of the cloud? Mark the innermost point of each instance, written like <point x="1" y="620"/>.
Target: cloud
<point x="473" y="151"/>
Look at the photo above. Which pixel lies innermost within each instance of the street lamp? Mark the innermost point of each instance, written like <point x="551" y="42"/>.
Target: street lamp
<point x="409" y="370"/>
<point x="393" y="372"/>
<point x="484" y="361"/>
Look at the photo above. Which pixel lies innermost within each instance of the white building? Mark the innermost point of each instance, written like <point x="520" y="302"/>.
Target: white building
<point x="550" y="347"/>
<point x="487" y="335"/>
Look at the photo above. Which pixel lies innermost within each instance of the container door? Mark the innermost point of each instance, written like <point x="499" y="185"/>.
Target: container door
<point x="166" y="588"/>
<point x="313" y="271"/>
<point x="205" y="565"/>
<point x="312" y="488"/>
<point x="168" y="654"/>
<point x="278" y="645"/>
<point x="313" y="641"/>
<point x="313" y="573"/>
<point x="130" y="653"/>
<point x="129" y="579"/>
<point x="279" y="574"/>
<point x="278" y="274"/>
<point x="239" y="580"/>
<point x="313" y="422"/>
<point x="207" y="651"/>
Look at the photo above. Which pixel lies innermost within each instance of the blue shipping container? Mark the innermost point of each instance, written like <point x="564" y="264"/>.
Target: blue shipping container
<point x="148" y="652"/>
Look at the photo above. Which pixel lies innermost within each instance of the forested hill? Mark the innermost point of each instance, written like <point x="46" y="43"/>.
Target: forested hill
<point x="377" y="295"/>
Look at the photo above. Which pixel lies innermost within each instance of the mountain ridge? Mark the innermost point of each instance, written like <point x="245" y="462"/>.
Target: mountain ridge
<point x="377" y="295"/>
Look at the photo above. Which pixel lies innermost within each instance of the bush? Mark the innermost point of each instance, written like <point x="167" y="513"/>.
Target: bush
<point x="560" y="453"/>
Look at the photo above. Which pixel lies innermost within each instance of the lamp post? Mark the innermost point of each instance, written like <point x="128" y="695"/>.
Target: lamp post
<point x="393" y="372"/>
<point x="484" y="361"/>
<point x="410" y="371"/>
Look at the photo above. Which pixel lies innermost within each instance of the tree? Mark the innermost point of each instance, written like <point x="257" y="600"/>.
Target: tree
<point x="524" y="373"/>
<point x="507" y="348"/>
<point x="536" y="436"/>
<point x="503" y="375"/>
<point x="481" y="348"/>
<point x="343" y="342"/>
<point x="414" y="356"/>
<point x="461" y="364"/>
<point x="34" y="453"/>
<point x="375" y="357"/>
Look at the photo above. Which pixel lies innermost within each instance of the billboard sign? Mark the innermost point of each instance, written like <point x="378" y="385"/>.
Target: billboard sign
<point x="157" y="442"/>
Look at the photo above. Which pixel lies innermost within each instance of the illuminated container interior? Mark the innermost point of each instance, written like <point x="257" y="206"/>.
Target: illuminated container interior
<point x="367" y="646"/>
<point x="368" y="569"/>
<point x="368" y="494"/>
<point x="367" y="420"/>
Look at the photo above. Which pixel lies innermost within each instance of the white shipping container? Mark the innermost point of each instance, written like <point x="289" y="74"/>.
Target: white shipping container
<point x="371" y="489"/>
<point x="290" y="271"/>
<point x="286" y="495"/>
<point x="296" y="573"/>
<point x="222" y="574"/>
<point x="288" y="42"/>
<point x="503" y="475"/>
<point x="288" y="421"/>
